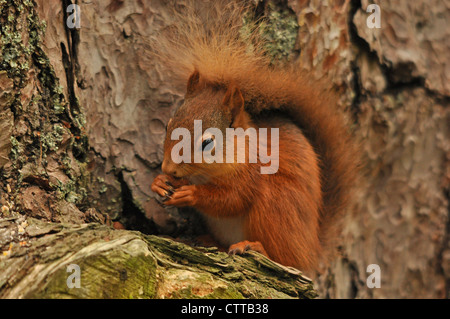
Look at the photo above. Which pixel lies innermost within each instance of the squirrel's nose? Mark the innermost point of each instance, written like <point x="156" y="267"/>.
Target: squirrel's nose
<point x="168" y="169"/>
<point x="164" y="167"/>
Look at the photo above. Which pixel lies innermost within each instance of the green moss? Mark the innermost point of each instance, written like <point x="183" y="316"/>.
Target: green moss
<point x="47" y="112"/>
<point x="103" y="189"/>
<point x="280" y="30"/>
<point x="71" y="191"/>
<point x="52" y="139"/>
<point x="15" y="54"/>
<point x="16" y="149"/>
<point x="110" y="275"/>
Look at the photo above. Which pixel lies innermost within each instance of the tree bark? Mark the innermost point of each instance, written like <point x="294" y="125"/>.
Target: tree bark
<point x="52" y="187"/>
<point x="394" y="81"/>
<point x="82" y="118"/>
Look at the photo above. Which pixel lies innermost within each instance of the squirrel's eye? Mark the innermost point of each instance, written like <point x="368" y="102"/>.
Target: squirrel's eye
<point x="207" y="144"/>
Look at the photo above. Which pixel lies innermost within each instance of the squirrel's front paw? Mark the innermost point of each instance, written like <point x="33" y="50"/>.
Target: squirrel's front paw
<point x="165" y="185"/>
<point x="183" y="196"/>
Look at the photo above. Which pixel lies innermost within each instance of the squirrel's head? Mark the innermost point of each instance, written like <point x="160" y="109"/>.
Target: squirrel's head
<point x="208" y="108"/>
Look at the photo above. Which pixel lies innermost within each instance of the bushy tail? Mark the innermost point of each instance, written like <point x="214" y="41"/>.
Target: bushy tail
<point x="216" y="40"/>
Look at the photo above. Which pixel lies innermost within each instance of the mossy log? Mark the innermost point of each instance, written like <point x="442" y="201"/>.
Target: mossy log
<point x="128" y="264"/>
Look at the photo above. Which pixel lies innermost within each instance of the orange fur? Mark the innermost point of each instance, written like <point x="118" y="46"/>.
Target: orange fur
<point x="293" y="212"/>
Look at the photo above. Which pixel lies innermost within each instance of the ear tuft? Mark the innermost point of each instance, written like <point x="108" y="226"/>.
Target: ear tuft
<point x="234" y="100"/>
<point x="193" y="83"/>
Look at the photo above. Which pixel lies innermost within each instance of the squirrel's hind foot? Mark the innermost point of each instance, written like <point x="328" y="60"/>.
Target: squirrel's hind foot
<point x="243" y="246"/>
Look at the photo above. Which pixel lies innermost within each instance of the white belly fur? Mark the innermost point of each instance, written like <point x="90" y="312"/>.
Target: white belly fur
<point x="226" y="231"/>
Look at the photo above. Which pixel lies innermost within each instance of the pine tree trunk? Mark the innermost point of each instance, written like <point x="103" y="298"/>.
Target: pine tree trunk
<point x="59" y="193"/>
<point x="82" y="121"/>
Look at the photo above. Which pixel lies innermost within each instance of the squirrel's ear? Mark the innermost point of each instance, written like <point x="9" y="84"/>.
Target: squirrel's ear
<point x="234" y="100"/>
<point x="193" y="83"/>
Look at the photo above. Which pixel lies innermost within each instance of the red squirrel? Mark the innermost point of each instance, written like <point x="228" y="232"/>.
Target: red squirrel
<point x="290" y="215"/>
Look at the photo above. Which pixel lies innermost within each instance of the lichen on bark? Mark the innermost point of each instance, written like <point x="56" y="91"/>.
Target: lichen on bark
<point x="47" y="139"/>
